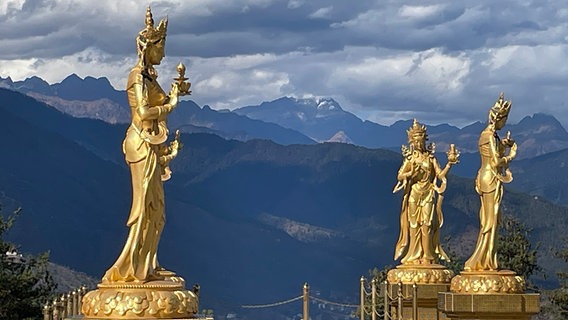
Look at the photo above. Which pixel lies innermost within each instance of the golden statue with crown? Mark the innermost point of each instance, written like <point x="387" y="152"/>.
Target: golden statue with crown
<point x="483" y="290"/>
<point x="481" y="271"/>
<point x="423" y="182"/>
<point x="136" y="285"/>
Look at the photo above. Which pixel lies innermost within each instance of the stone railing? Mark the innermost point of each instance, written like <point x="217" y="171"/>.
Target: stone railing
<point x="68" y="305"/>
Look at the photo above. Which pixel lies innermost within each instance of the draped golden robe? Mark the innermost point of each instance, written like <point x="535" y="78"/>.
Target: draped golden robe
<point x="138" y="260"/>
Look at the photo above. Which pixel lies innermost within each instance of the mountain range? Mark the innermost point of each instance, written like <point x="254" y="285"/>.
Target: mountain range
<point x="285" y="120"/>
<point x="250" y="221"/>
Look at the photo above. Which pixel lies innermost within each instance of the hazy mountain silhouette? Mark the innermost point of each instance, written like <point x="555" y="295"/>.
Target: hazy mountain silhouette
<point x="321" y="119"/>
<point x="286" y="120"/>
<point x="97" y="99"/>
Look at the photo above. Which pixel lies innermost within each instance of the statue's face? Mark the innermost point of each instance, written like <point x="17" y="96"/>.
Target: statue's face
<point x="500" y="123"/>
<point x="419" y="142"/>
<point x="155" y="53"/>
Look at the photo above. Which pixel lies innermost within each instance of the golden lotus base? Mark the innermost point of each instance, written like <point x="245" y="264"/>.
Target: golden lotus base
<point x="469" y="306"/>
<point x="420" y="274"/>
<point x="161" y="299"/>
<point x="484" y="282"/>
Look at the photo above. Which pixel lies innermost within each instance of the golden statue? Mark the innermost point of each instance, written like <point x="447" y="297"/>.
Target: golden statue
<point x="136" y="285"/>
<point x="421" y="215"/>
<point x="493" y="172"/>
<point x="481" y="273"/>
<point x="147" y="157"/>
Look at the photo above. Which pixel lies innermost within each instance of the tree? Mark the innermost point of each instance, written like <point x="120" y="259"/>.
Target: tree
<point x="514" y="249"/>
<point x="455" y="263"/>
<point x="559" y="296"/>
<point x="25" y="283"/>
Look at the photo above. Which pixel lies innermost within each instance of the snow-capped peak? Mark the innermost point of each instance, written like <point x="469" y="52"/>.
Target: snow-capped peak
<point x="327" y="104"/>
<point x="323" y="104"/>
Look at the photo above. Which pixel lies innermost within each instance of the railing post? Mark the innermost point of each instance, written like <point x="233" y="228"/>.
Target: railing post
<point x="400" y="300"/>
<point x="306" y="301"/>
<point x="74" y="297"/>
<point x="55" y="309"/>
<point x="82" y="292"/>
<point x="362" y="316"/>
<point x="386" y="306"/>
<point x="63" y="313"/>
<point x="374" y="299"/>
<point x="69" y="305"/>
<point x="47" y="312"/>
<point x="414" y="301"/>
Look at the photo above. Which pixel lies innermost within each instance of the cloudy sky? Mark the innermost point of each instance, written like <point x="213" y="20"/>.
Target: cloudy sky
<point x="384" y="60"/>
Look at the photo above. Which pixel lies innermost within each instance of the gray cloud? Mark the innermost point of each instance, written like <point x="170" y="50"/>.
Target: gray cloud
<point x="441" y="61"/>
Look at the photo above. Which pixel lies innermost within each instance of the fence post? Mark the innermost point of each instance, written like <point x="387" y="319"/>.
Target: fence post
<point x="374" y="299"/>
<point x="414" y="301"/>
<point x="82" y="292"/>
<point x="400" y="296"/>
<point x="47" y="312"/>
<point x="386" y="306"/>
<point x="306" y="301"/>
<point x="55" y="309"/>
<point x="362" y="307"/>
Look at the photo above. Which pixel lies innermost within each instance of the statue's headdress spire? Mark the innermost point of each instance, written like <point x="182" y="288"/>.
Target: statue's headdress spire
<point x="500" y="109"/>
<point x="416" y="129"/>
<point x="150" y="33"/>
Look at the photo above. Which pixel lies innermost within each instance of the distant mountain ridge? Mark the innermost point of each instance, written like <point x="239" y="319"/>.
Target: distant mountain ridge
<point x="325" y="120"/>
<point x="285" y="120"/>
<point x="97" y="99"/>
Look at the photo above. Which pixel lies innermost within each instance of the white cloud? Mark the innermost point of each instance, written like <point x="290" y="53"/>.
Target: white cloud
<point x="9" y="6"/>
<point x="90" y="62"/>
<point x="322" y="13"/>
<point x="418" y="12"/>
<point x="380" y="59"/>
<point x="295" y="4"/>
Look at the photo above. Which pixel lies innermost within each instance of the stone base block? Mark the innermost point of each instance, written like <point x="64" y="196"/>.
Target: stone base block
<point x="469" y="306"/>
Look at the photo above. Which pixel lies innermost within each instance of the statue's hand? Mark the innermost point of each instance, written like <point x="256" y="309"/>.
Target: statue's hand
<point x="453" y="155"/>
<point x="175" y="145"/>
<point x="508" y="141"/>
<point x="174" y="93"/>
<point x="512" y="152"/>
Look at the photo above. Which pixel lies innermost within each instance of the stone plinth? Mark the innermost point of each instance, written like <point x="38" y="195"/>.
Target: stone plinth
<point x="429" y="280"/>
<point x="486" y="295"/>
<point x="469" y="306"/>
<point x="162" y="299"/>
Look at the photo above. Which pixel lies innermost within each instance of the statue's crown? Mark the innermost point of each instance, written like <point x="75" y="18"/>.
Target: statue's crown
<point x="150" y="33"/>
<point x="500" y="109"/>
<point x="416" y="129"/>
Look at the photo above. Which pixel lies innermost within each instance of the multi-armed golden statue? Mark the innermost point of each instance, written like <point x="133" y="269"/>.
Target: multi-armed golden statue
<point x="424" y="182"/>
<point x="136" y="285"/>
<point x="421" y="215"/>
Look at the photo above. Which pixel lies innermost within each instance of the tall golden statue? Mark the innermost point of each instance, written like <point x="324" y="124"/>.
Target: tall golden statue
<point x="494" y="171"/>
<point x="147" y="157"/>
<point x="481" y="271"/>
<point x="421" y="215"/>
<point x="136" y="285"/>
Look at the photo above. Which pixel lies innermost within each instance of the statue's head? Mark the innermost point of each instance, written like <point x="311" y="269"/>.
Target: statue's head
<point x="151" y="41"/>
<point x="417" y="136"/>
<point x="500" y="111"/>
